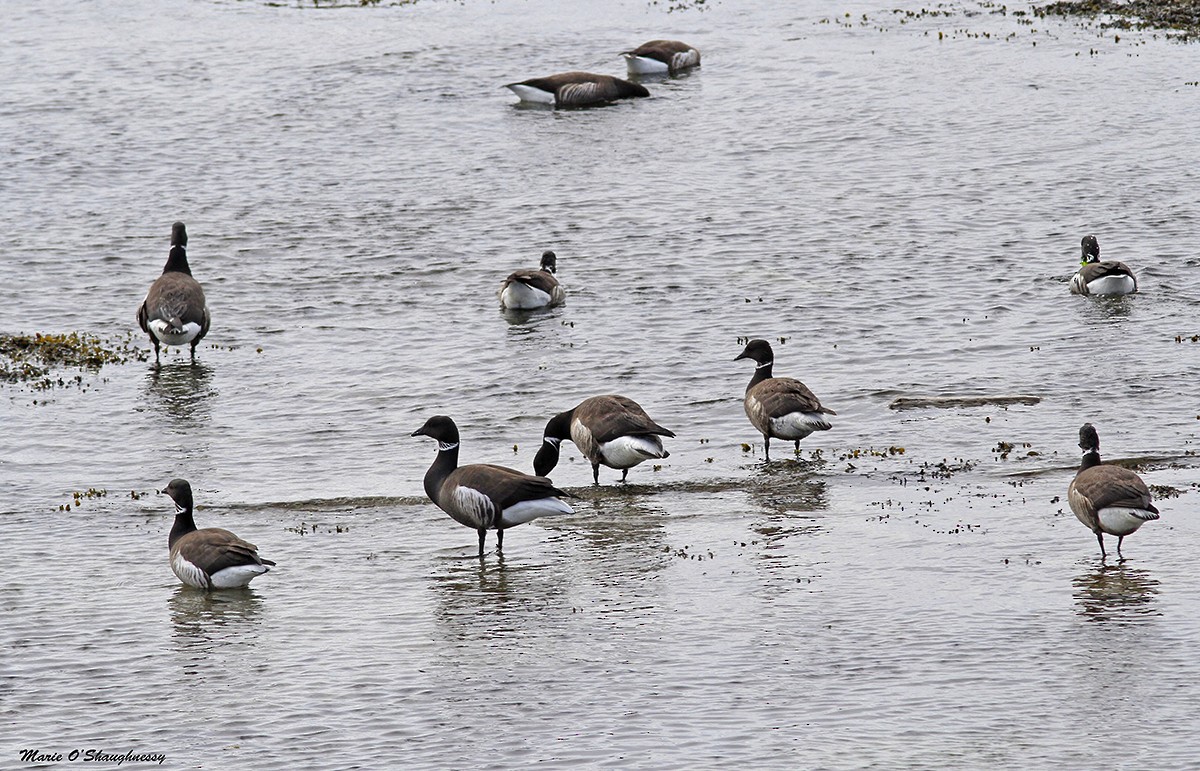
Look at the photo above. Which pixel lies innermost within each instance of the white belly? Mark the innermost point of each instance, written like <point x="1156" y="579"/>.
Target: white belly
<point x="797" y="425"/>
<point x="523" y="297"/>
<point x="527" y="510"/>
<point x="628" y="451"/>
<point x="644" y="65"/>
<point x="531" y="94"/>
<point x="1112" y="285"/>
<point x="166" y="334"/>
<point x="237" y="576"/>
<point x="1122" y="521"/>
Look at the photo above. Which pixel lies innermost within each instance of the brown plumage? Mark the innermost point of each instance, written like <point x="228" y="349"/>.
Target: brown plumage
<point x="671" y="56"/>
<point x="175" y="311"/>
<point x="609" y="430"/>
<point x="1118" y="278"/>
<point x="535" y="288"/>
<point x="576" y="89"/>
<point x="483" y="496"/>
<point x="1107" y="499"/>
<point x="780" y="407"/>
<point x="211" y="558"/>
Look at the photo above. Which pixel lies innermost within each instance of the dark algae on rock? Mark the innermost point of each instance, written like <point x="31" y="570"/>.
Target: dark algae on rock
<point x="1179" y="18"/>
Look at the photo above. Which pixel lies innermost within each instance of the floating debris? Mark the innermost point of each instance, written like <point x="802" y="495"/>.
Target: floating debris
<point x="33" y="358"/>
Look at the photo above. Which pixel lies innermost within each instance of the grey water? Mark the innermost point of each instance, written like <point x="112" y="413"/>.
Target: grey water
<point x="894" y="200"/>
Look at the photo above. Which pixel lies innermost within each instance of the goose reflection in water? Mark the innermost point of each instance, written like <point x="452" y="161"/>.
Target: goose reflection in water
<point x="1116" y="593"/>
<point x="181" y="392"/>
<point x="206" y="620"/>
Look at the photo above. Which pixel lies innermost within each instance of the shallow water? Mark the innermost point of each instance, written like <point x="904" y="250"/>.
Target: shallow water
<point x="899" y="214"/>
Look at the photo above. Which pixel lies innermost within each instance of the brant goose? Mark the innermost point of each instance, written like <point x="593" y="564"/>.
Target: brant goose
<point x="481" y="495"/>
<point x="660" y="57"/>
<point x="610" y="430"/>
<point x="1108" y="499"/>
<point x="780" y="407"/>
<point x="1095" y="277"/>
<point x="174" y="311"/>
<point x="576" y="89"/>
<point x="211" y="558"/>
<point x="528" y="289"/>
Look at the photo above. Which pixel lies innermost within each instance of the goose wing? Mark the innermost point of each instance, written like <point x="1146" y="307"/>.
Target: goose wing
<point x="1113" y="486"/>
<point x="610" y="417"/>
<point x="214" y="549"/>
<point x="536" y="278"/>
<point x="783" y="395"/>
<point x="1095" y="270"/>
<point x="504" y="486"/>
<point x="175" y="295"/>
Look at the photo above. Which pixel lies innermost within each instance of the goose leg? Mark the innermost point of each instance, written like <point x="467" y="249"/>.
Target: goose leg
<point x="797" y="446"/>
<point x="194" y="360"/>
<point x="1120" y="538"/>
<point x="767" y="447"/>
<point x="154" y="340"/>
<point x="499" y="541"/>
<point x="596" y="473"/>
<point x="624" y="473"/>
<point x="1100" y="538"/>
<point x="482" y="534"/>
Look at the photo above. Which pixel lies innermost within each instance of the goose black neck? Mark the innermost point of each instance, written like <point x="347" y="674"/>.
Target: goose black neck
<point x="445" y="463"/>
<point x="559" y="426"/>
<point x="184" y="524"/>
<point x="177" y="261"/>
<point x="761" y="372"/>
<point x="1090" y="458"/>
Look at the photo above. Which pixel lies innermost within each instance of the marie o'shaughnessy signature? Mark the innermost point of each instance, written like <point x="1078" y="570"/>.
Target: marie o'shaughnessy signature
<point x="91" y="756"/>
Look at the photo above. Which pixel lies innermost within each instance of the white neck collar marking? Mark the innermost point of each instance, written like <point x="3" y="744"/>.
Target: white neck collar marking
<point x="443" y="446"/>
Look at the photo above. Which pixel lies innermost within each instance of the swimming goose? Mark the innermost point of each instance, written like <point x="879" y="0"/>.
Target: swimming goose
<point x="1108" y="499"/>
<point x="780" y="407"/>
<point x="576" y="89"/>
<point x="660" y="57"/>
<point x="211" y="558"/>
<point x="527" y="289"/>
<point x="609" y="430"/>
<point x="174" y="311"/>
<point x="484" y="496"/>
<point x="1095" y="277"/>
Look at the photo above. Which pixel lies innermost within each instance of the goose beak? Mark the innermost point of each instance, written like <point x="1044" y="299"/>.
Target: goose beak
<point x="419" y="432"/>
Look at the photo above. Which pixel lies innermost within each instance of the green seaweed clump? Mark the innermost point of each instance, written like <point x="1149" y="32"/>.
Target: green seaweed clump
<point x="32" y="359"/>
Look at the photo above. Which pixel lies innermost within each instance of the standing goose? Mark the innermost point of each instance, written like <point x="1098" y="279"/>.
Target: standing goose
<point x="1108" y="499"/>
<point x="211" y="558"/>
<point x="780" y="407"/>
<point x="174" y="311"/>
<point x="661" y="57"/>
<point x="1101" y="278"/>
<point x="610" y="430"/>
<point x="576" y="89"/>
<point x="528" y="289"/>
<point x="484" y="496"/>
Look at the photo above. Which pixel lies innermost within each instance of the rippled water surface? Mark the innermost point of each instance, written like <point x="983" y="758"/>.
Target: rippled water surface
<point x="895" y="200"/>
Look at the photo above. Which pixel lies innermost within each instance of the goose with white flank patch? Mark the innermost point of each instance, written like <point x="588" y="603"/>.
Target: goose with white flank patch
<point x="1101" y="278"/>
<point x="780" y="407"/>
<point x="211" y="558"/>
<point x="529" y="289"/>
<point x="1108" y="499"/>
<point x="483" y="496"/>
<point x="609" y="430"/>
<point x="174" y="311"/>
<point x="576" y="89"/>
<point x="661" y="57"/>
